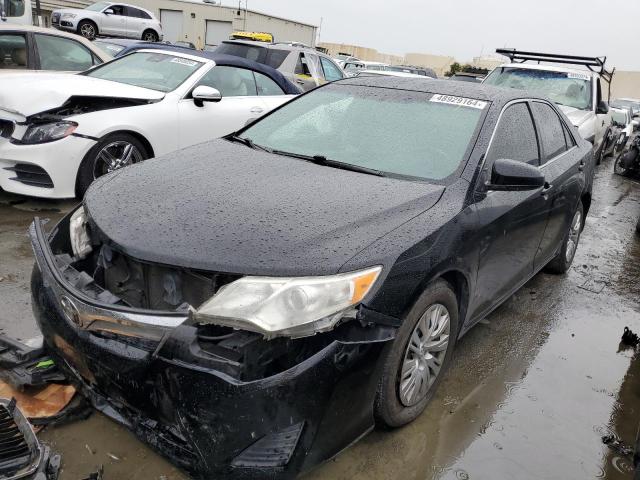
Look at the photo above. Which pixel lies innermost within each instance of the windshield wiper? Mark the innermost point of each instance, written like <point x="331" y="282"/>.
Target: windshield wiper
<point x="249" y="143"/>
<point x="324" y="161"/>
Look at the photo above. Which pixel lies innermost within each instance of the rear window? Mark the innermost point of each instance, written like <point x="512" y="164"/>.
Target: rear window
<point x="266" y="56"/>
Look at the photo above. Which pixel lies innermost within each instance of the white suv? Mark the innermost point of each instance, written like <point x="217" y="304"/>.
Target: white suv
<point x="578" y="92"/>
<point x="108" y="18"/>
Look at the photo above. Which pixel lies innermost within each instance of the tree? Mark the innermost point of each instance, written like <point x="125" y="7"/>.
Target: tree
<point x="455" y="68"/>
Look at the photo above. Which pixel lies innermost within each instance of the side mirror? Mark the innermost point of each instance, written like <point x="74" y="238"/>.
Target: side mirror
<point x="108" y="11"/>
<point x="514" y="175"/>
<point x="603" y="108"/>
<point x="202" y="94"/>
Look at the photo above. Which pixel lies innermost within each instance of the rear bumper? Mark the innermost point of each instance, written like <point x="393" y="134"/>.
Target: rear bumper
<point x="208" y="423"/>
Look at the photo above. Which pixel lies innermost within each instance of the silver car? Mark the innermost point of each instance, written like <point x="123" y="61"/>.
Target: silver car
<point x="108" y="18"/>
<point x="302" y="65"/>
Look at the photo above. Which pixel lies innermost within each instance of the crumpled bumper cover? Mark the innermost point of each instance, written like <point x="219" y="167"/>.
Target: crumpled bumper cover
<point x="208" y="423"/>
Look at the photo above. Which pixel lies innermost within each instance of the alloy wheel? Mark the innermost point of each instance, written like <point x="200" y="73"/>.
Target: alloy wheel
<point x="424" y="355"/>
<point x="574" y="236"/>
<point x="88" y="31"/>
<point x="116" y="155"/>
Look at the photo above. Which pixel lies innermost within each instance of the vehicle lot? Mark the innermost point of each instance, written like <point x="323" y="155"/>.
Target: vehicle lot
<point x="530" y="393"/>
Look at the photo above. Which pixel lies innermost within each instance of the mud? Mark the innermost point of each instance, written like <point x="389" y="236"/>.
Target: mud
<point x="531" y="393"/>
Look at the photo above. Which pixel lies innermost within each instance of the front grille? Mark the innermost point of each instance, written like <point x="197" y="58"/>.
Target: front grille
<point x="14" y="450"/>
<point x="31" y="175"/>
<point x="6" y="128"/>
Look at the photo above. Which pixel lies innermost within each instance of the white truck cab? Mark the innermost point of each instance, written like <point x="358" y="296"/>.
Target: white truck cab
<point x="16" y="12"/>
<point x="577" y="91"/>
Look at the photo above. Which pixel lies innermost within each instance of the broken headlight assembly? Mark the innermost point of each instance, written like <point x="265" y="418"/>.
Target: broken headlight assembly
<point x="47" y="132"/>
<point x="287" y="306"/>
<point x="78" y="235"/>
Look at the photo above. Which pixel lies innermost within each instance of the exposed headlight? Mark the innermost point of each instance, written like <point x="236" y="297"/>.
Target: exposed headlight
<point x="80" y="243"/>
<point x="296" y="307"/>
<point x="68" y="15"/>
<point x="48" y="132"/>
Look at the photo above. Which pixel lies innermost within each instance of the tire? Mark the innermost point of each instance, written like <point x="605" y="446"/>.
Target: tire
<point x="113" y="147"/>
<point x="619" y="169"/>
<point x="88" y="29"/>
<point x="563" y="260"/>
<point x="394" y="406"/>
<point x="150" y="36"/>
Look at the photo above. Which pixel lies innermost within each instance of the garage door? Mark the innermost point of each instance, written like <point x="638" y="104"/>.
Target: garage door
<point x="217" y="31"/>
<point x="171" y="25"/>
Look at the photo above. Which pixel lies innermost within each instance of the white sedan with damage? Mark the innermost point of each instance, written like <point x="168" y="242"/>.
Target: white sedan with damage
<point x="59" y="132"/>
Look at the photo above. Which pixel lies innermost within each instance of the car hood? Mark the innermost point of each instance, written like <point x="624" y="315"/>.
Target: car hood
<point x="575" y="115"/>
<point x="72" y="10"/>
<point x="23" y="95"/>
<point x="224" y="207"/>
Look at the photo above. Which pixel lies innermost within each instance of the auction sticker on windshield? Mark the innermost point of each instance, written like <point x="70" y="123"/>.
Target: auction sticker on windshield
<point x="580" y="76"/>
<point x="184" y="61"/>
<point x="461" y="101"/>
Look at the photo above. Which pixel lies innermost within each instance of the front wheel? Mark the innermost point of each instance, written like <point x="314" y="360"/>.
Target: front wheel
<point x="415" y="361"/>
<point x="563" y="260"/>
<point x="617" y="165"/>
<point x="112" y="152"/>
<point x="88" y="29"/>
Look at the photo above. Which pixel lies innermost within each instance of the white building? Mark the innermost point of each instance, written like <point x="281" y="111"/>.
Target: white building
<point x="205" y="23"/>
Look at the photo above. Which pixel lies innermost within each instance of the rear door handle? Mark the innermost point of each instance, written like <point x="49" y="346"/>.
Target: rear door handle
<point x="257" y="110"/>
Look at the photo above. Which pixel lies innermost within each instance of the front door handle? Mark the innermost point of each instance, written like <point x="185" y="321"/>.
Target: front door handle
<point x="581" y="166"/>
<point x="299" y="82"/>
<point x="257" y="110"/>
<point x="545" y="189"/>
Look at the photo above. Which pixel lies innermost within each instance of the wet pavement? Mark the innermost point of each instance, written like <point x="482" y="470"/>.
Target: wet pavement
<point x="531" y="393"/>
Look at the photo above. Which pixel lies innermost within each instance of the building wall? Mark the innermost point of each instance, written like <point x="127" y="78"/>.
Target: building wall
<point x="439" y="63"/>
<point x="195" y="16"/>
<point x="625" y="84"/>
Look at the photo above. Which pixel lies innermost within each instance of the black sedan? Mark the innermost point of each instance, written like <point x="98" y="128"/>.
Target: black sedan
<point x="252" y="305"/>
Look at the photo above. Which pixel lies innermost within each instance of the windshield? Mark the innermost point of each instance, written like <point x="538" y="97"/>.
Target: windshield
<point x="267" y="56"/>
<point x="157" y="71"/>
<point x="110" y="48"/>
<point x="11" y="8"/>
<point x="97" y="7"/>
<point x="394" y="131"/>
<point x="564" y="88"/>
<point x="622" y="103"/>
<point x="619" y="117"/>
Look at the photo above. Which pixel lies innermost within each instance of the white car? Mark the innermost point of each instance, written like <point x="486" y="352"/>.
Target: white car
<point x="58" y="132"/>
<point x="108" y="18"/>
<point x="622" y="127"/>
<point x="578" y="92"/>
<point x="353" y="68"/>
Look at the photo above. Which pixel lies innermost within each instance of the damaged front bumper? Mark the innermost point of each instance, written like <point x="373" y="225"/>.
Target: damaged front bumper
<point x="192" y="399"/>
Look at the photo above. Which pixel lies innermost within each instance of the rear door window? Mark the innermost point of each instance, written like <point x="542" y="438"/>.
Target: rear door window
<point x="515" y="137"/>
<point x="551" y="132"/>
<point x="231" y="81"/>
<point x="13" y="51"/>
<point x="64" y="54"/>
<point x="266" y="86"/>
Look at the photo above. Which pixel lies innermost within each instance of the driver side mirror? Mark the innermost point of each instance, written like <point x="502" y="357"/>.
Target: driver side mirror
<point x="603" y="108"/>
<point x="512" y="175"/>
<point x="108" y="11"/>
<point x="202" y="94"/>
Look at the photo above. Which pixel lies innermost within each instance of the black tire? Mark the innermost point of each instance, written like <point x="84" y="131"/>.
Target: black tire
<point x="90" y="167"/>
<point x="390" y="412"/>
<point x="150" y="36"/>
<point x="619" y="169"/>
<point x="562" y="261"/>
<point x="88" y="29"/>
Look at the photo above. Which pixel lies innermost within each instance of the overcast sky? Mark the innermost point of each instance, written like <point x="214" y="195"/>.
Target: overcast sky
<point x="464" y="29"/>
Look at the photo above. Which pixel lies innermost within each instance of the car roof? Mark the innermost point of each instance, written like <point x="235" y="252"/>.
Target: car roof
<point x="476" y="91"/>
<point x="549" y="68"/>
<point x="11" y="27"/>
<point x="225" y="61"/>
